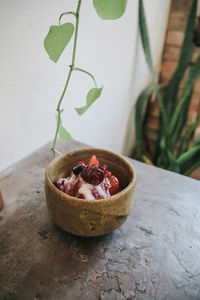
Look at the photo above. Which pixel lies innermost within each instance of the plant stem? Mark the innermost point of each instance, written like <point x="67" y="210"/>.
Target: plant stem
<point x="68" y="77"/>
<point x="86" y="72"/>
<point x="66" y="13"/>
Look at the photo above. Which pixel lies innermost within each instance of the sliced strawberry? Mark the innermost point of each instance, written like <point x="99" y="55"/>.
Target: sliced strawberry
<point x="93" y="161"/>
<point x="114" y="182"/>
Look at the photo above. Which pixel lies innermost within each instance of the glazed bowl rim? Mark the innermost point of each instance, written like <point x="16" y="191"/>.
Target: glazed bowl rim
<point x="80" y="200"/>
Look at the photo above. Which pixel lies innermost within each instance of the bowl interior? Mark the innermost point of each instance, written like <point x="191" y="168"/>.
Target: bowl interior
<point x="119" y="167"/>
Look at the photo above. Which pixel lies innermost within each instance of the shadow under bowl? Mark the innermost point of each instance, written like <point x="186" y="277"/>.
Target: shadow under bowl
<point x="84" y="217"/>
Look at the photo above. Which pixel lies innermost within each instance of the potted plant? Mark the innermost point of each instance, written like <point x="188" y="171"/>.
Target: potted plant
<point x="171" y="152"/>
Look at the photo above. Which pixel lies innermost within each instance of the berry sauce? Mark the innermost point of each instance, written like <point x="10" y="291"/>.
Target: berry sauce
<point x="90" y="181"/>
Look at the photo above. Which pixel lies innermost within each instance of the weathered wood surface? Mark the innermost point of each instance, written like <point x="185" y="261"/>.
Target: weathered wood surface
<point x="154" y="255"/>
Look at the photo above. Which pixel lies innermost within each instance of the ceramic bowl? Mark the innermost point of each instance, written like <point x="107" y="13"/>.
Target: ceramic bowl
<point x="89" y="217"/>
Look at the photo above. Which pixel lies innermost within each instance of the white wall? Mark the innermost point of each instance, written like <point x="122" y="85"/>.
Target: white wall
<point x="30" y="83"/>
<point x="157" y="20"/>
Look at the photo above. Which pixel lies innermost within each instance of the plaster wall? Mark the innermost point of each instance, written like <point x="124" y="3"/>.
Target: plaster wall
<point x="31" y="84"/>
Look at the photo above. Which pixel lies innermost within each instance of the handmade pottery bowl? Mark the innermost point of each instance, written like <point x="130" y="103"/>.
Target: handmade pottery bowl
<point x="89" y="217"/>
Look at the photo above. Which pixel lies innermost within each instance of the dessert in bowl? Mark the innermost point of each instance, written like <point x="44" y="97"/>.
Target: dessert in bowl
<point x="87" y="196"/>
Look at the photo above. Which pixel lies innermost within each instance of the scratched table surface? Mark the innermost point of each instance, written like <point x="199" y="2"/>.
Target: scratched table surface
<point x="154" y="255"/>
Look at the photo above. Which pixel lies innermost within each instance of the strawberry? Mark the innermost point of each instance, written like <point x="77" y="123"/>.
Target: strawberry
<point x="82" y="163"/>
<point x="93" y="161"/>
<point x="108" y="174"/>
<point x="114" y="182"/>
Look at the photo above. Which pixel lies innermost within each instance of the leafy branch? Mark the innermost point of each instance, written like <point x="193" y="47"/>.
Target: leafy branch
<point x="56" y="41"/>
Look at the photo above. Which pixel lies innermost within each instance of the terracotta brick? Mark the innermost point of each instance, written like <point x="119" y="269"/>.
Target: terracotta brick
<point x="152" y="134"/>
<point x="154" y="110"/>
<point x="196" y="174"/>
<point x="177" y="23"/>
<point x="164" y="79"/>
<point x="197" y="86"/>
<point x="174" y="38"/>
<point x="197" y="133"/>
<point x="171" y="53"/>
<point x="192" y="116"/>
<point x="152" y="123"/>
<point x="181" y="7"/>
<point x="179" y="13"/>
<point x="195" y="102"/>
<point x="195" y="54"/>
<point x="168" y="67"/>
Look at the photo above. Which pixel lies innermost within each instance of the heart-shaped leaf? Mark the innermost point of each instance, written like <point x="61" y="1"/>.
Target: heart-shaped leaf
<point x="92" y="95"/>
<point x="57" y="39"/>
<point x="110" y="9"/>
<point x="63" y="133"/>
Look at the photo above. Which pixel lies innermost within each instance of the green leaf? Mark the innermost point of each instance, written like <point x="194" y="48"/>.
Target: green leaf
<point x="187" y="159"/>
<point x="182" y="119"/>
<point x="187" y="135"/>
<point x="147" y="52"/>
<point x="186" y="52"/>
<point x="192" y="76"/>
<point x="172" y="164"/>
<point x="57" y="39"/>
<point x="145" y="39"/>
<point x="110" y="9"/>
<point x="63" y="133"/>
<point x="192" y="168"/>
<point x="197" y="143"/>
<point x="92" y="95"/>
<point x="140" y="108"/>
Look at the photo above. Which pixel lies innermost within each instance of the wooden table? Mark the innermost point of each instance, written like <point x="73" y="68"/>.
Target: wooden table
<point x="154" y="255"/>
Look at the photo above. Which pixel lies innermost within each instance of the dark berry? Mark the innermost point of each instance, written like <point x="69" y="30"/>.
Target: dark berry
<point x="93" y="175"/>
<point x="78" y="169"/>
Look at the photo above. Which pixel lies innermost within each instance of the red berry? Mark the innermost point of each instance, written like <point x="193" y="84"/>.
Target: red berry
<point x="108" y="174"/>
<point x="93" y="161"/>
<point x="82" y="163"/>
<point x="114" y="182"/>
<point x="104" y="167"/>
<point x="93" y="175"/>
